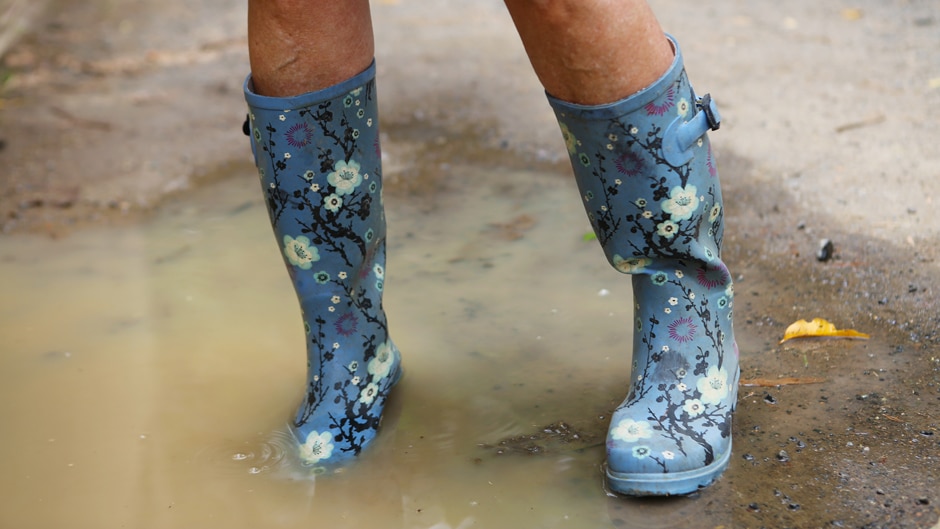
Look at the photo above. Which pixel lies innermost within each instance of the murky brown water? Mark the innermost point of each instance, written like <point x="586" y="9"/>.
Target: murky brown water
<point x="145" y="372"/>
<point x="146" y="375"/>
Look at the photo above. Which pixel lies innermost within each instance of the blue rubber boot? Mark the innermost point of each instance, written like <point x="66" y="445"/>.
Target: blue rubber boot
<point x="319" y="161"/>
<point x="646" y="174"/>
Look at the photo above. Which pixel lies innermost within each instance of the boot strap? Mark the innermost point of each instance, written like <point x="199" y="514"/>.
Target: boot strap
<point x="681" y="135"/>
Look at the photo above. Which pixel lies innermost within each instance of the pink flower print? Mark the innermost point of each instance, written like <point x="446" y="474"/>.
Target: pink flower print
<point x="710" y="163"/>
<point x="346" y="324"/>
<point x="712" y="277"/>
<point x="299" y="135"/>
<point x="682" y="330"/>
<point x="629" y="163"/>
<point x="667" y="102"/>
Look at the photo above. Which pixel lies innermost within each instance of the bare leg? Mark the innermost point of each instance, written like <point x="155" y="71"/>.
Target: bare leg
<point x="592" y="51"/>
<point x="299" y="46"/>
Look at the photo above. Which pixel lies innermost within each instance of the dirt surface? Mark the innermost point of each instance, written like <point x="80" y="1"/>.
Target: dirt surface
<point x="109" y="108"/>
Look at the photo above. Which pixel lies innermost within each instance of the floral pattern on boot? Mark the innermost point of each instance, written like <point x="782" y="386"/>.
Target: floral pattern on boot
<point x="662" y="222"/>
<point x="319" y="163"/>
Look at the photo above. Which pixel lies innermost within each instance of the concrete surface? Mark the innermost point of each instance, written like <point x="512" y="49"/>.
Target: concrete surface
<point x="109" y="108"/>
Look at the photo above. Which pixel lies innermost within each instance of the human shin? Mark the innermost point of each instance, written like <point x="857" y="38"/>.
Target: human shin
<point x="319" y="163"/>
<point x="648" y="180"/>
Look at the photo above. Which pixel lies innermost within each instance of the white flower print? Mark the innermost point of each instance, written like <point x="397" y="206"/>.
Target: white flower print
<point x="345" y="177"/>
<point x="634" y="131"/>
<point x="570" y="141"/>
<point x="299" y="252"/>
<point x="714" y="386"/>
<point x="716" y="210"/>
<point x="681" y="386"/>
<point x="641" y="452"/>
<point x="693" y="407"/>
<point x="682" y="107"/>
<point x="308" y="175"/>
<point x="287" y="156"/>
<point x="314" y="187"/>
<point x="630" y="431"/>
<point x="335" y="299"/>
<point x="333" y="202"/>
<point x="369" y="393"/>
<point x="356" y="380"/>
<point x="682" y="202"/>
<point x="668" y="455"/>
<point x="317" y="447"/>
<point x="680" y="274"/>
<point x="341" y="275"/>
<point x="667" y="229"/>
<point x="640" y="202"/>
<point x="382" y="363"/>
<point x="282" y="117"/>
<point x="379" y="271"/>
<point x="673" y="301"/>
<point x="647" y="214"/>
<point x="353" y="366"/>
<point x="631" y="265"/>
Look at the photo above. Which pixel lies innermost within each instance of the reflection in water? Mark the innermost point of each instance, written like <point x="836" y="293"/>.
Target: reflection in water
<point x="147" y="373"/>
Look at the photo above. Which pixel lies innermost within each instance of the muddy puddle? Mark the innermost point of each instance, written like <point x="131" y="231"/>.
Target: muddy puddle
<point x="147" y="372"/>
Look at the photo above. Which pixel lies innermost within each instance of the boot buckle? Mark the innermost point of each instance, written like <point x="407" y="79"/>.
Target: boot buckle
<point x="680" y="135"/>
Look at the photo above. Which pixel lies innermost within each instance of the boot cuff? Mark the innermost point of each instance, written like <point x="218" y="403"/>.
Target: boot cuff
<point x="628" y="104"/>
<point x="310" y="98"/>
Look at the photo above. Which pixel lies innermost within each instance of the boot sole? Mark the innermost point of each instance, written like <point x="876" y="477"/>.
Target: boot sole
<point x="669" y="484"/>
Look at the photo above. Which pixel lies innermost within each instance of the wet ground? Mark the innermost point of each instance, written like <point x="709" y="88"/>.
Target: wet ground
<point x="150" y="348"/>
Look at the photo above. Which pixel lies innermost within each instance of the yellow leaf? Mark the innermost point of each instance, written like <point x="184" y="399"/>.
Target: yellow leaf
<point x="852" y="13"/>
<point x="818" y="328"/>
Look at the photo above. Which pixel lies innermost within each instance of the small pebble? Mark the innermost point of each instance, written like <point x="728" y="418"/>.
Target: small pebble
<point x="824" y="253"/>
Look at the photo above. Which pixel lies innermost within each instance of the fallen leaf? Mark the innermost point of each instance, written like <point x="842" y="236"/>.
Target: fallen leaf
<point x="852" y="13"/>
<point x="785" y="381"/>
<point x="819" y="328"/>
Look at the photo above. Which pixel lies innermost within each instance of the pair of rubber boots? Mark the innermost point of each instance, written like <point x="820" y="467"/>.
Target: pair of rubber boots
<point x="648" y="180"/>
